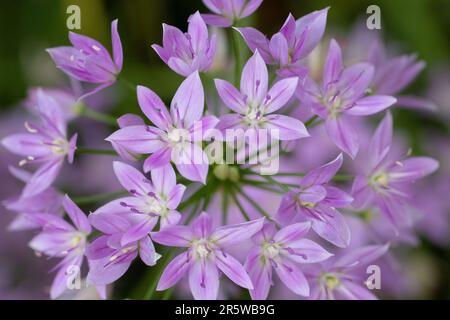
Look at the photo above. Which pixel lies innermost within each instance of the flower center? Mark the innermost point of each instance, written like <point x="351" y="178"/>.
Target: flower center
<point x="380" y="180"/>
<point x="59" y="147"/>
<point x="177" y="135"/>
<point x="271" y="249"/>
<point x="202" y="248"/>
<point x="331" y="281"/>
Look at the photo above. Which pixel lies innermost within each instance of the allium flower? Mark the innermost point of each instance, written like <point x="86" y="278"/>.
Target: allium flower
<point x="64" y="98"/>
<point x="392" y="73"/>
<point x="45" y="144"/>
<point x="48" y="201"/>
<point x="291" y="44"/>
<point x="89" y="61"/>
<point x="205" y="255"/>
<point x="342" y="94"/>
<point x="281" y="251"/>
<point x="111" y="254"/>
<point x="316" y="200"/>
<point x="227" y="12"/>
<point x="176" y="135"/>
<point x="339" y="279"/>
<point x="385" y="182"/>
<point x="62" y="240"/>
<point x="255" y="104"/>
<point x="150" y="200"/>
<point x="188" y="52"/>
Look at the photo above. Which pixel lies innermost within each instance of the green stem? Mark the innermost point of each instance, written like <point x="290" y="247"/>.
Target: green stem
<point x="128" y="84"/>
<point x="234" y="41"/>
<point x="254" y="204"/>
<point x="225" y="205"/>
<point x="162" y="265"/>
<point x="98" y="197"/>
<point x="82" y="150"/>
<point x="261" y="186"/>
<point x="311" y="120"/>
<point x="239" y="205"/>
<point x="87" y="112"/>
<point x="283" y="186"/>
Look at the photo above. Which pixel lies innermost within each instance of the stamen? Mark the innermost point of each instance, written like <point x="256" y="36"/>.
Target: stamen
<point x="22" y="162"/>
<point x="29" y="128"/>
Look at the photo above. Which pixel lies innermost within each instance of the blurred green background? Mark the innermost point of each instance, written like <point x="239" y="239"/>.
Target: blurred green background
<point x="28" y="27"/>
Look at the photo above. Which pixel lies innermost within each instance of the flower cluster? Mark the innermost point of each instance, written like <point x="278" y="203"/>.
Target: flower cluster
<point x="305" y="231"/>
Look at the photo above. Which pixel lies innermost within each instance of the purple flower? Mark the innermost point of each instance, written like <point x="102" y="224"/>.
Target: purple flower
<point x="111" y="254"/>
<point x="340" y="278"/>
<point x="227" y="12"/>
<point x="342" y="94"/>
<point x="176" y="135"/>
<point x="291" y="44"/>
<point x="282" y="250"/>
<point x="62" y="240"/>
<point x="205" y="255"/>
<point x="88" y="60"/>
<point x="48" y="201"/>
<point x="316" y="201"/>
<point x="254" y="104"/>
<point x="45" y="144"/>
<point x="394" y="74"/>
<point x="150" y="200"/>
<point x="188" y="52"/>
<point x="386" y="180"/>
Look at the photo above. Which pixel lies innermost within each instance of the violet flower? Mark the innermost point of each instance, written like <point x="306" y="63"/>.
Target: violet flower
<point x="254" y="104"/>
<point x="316" y="201"/>
<point x="111" y="254"/>
<point x="48" y="201"/>
<point x="294" y="42"/>
<point x="177" y="134"/>
<point x="45" y="144"/>
<point x="385" y="182"/>
<point x="340" y="279"/>
<point x="342" y="94"/>
<point x="394" y="74"/>
<point x="150" y="200"/>
<point x="188" y="52"/>
<point x="89" y="61"/>
<point x="281" y="251"/>
<point x="62" y="240"/>
<point x="227" y="12"/>
<point x="205" y="255"/>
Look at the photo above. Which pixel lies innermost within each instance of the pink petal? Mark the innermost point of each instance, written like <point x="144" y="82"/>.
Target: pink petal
<point x="234" y="234"/>
<point x="292" y="277"/>
<point x="77" y="216"/>
<point x="332" y="227"/>
<point x="343" y="135"/>
<point x="158" y="159"/>
<point x="292" y="233"/>
<point x="138" y="139"/>
<point x="233" y="270"/>
<point x="117" y="46"/>
<point x="286" y="128"/>
<point x="257" y="41"/>
<point x="174" y="236"/>
<point x="280" y="93"/>
<point x="188" y="103"/>
<point x="163" y="179"/>
<point x="174" y="271"/>
<point x="204" y="280"/>
<point x="131" y="179"/>
<point x="230" y="96"/>
<point x="370" y="105"/>
<point x="153" y="107"/>
<point x="322" y="174"/>
<point x="254" y="79"/>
